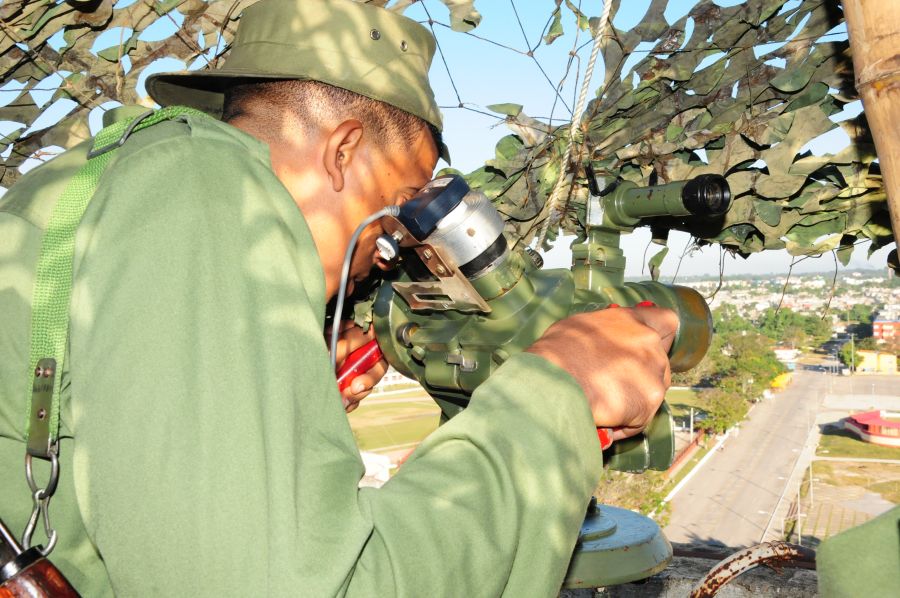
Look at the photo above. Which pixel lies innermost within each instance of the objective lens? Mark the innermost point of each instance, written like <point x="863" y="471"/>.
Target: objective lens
<point x="707" y="195"/>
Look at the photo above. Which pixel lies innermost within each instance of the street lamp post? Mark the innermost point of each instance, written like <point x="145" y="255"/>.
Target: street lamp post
<point x="810" y="486"/>
<point x="692" y="425"/>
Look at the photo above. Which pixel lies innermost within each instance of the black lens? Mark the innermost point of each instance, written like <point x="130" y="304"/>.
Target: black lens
<point x="707" y="195"/>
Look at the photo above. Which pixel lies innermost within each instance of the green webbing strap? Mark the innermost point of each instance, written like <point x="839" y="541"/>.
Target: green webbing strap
<point x="53" y="281"/>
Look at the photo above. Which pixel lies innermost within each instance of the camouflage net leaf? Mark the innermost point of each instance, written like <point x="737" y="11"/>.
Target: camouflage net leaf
<point x="736" y="91"/>
<point x="740" y="114"/>
<point x="87" y="53"/>
<point x="52" y="47"/>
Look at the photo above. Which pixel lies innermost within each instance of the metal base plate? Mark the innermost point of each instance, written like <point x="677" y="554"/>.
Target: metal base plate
<point x="616" y="546"/>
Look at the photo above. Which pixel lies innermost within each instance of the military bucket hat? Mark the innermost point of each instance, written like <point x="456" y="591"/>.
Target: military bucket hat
<point x="365" y="49"/>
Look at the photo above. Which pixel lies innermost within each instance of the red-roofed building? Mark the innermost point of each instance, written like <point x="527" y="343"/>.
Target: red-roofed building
<point x="877" y="427"/>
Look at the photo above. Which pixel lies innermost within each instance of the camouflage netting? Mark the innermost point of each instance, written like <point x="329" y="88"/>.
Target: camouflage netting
<point x="740" y="115"/>
<point x="88" y="53"/>
<point x="749" y="115"/>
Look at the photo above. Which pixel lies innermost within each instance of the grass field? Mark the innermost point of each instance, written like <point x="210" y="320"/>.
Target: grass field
<point x="881" y="478"/>
<point x="394" y="420"/>
<point x="682" y="399"/>
<point x="405" y="417"/>
<point x="841" y="443"/>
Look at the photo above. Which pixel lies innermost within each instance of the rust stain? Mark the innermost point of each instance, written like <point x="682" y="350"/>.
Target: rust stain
<point x="772" y="554"/>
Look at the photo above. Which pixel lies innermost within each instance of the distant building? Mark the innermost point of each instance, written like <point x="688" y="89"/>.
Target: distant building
<point x="394" y="380"/>
<point x="786" y="354"/>
<point x="877" y="427"/>
<point x="876" y="362"/>
<point x="890" y="311"/>
<point x="885" y="330"/>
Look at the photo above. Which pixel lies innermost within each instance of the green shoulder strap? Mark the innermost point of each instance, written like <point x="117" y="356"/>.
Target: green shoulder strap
<point x="53" y="281"/>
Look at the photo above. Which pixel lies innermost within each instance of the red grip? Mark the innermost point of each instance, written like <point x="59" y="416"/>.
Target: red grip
<point x="605" y="436"/>
<point x="358" y="362"/>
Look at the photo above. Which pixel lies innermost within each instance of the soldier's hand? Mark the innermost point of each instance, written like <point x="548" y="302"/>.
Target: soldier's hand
<point x="353" y="337"/>
<point x="619" y="357"/>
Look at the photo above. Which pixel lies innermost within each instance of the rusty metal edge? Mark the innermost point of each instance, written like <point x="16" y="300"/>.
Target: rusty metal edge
<point x="774" y="554"/>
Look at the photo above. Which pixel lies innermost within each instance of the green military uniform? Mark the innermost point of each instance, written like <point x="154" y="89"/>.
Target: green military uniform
<point x="862" y="561"/>
<point x="205" y="450"/>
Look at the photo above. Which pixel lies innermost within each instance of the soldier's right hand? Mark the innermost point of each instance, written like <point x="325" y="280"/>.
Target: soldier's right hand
<point x="619" y="357"/>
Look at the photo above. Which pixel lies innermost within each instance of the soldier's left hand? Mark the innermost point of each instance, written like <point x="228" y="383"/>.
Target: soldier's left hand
<point x="353" y="337"/>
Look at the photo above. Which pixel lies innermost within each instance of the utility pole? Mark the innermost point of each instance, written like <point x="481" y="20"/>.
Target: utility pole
<point x="874" y="29"/>
<point x="692" y="425"/>
<point x="852" y="354"/>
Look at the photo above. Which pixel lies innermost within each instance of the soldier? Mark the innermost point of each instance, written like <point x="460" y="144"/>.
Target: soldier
<point x="204" y="448"/>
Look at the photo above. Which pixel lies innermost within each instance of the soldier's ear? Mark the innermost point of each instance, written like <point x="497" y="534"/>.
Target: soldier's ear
<point x="340" y="149"/>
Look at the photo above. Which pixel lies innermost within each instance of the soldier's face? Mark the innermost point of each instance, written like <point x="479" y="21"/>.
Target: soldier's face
<point x="396" y="175"/>
<point x="338" y="176"/>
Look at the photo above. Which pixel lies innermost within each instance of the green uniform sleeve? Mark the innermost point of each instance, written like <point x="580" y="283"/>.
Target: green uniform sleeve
<point x="862" y="561"/>
<point x="492" y="502"/>
<point x="211" y="451"/>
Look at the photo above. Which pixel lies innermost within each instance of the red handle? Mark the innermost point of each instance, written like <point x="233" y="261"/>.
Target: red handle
<point x="358" y="362"/>
<point x="605" y="436"/>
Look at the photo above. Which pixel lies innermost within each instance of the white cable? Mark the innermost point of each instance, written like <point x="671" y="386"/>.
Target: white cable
<point x="552" y="202"/>
<point x="345" y="274"/>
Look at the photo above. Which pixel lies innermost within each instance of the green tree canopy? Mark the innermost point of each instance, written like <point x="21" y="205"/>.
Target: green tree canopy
<point x="799" y="330"/>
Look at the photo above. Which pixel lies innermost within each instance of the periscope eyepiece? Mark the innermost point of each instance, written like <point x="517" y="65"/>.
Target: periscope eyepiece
<point x="448" y="236"/>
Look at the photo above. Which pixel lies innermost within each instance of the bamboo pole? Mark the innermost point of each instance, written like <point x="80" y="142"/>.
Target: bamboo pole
<point x="874" y="29"/>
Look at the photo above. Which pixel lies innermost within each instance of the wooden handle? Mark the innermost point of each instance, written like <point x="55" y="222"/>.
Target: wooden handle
<point x="40" y="579"/>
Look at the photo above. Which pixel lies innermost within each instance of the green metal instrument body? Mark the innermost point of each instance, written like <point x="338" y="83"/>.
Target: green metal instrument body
<point x="451" y="354"/>
<point x="452" y="351"/>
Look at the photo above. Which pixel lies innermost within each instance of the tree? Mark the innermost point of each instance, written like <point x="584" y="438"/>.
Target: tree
<point x="860" y="313"/>
<point x="726" y="319"/>
<point x="739" y="366"/>
<point x="742" y="350"/>
<point x="723" y="408"/>
<point x="860" y="330"/>
<point x="817" y="329"/>
<point x="798" y="330"/>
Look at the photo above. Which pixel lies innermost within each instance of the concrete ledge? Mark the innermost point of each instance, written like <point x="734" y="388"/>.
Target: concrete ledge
<point x="684" y="573"/>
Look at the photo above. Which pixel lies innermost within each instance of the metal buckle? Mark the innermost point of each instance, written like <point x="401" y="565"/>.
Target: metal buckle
<point x="40" y="441"/>
<point x="41" y="499"/>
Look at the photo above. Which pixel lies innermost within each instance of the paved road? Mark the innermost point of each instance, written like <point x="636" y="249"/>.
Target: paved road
<point x="731" y="500"/>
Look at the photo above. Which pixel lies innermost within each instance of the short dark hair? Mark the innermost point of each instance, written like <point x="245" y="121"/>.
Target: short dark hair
<point x="313" y="102"/>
